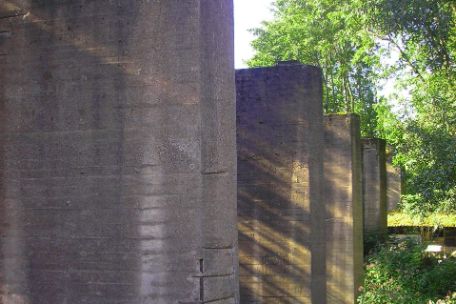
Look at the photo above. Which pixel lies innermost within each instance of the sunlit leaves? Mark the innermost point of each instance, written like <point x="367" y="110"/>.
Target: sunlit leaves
<point x="359" y="44"/>
<point x="331" y="35"/>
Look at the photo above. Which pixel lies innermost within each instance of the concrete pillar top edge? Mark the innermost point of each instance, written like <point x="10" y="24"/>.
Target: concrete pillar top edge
<point x="282" y="65"/>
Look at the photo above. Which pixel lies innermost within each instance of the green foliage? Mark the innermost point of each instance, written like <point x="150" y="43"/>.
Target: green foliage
<point x="330" y="35"/>
<point x="361" y="44"/>
<point x="404" y="219"/>
<point x="449" y="299"/>
<point x="423" y="32"/>
<point x="372" y="241"/>
<point x="402" y="274"/>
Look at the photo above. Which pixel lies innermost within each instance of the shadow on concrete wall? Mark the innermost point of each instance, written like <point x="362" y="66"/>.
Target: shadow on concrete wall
<point x="89" y="134"/>
<point x="343" y="201"/>
<point x="278" y="180"/>
<point x="274" y="231"/>
<point x="393" y="181"/>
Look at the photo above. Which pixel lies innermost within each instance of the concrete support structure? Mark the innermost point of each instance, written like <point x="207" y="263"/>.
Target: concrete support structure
<point x="393" y="182"/>
<point x="280" y="212"/>
<point x="117" y="135"/>
<point x="343" y="200"/>
<point x="374" y="186"/>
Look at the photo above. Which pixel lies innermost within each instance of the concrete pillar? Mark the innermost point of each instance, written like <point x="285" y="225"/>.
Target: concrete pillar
<point x="343" y="200"/>
<point x="393" y="182"/>
<point x="117" y="135"/>
<point x="280" y="215"/>
<point x="374" y="187"/>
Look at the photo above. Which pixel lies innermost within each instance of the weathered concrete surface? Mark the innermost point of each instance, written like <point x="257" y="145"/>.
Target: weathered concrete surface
<point x="393" y="182"/>
<point x="374" y="186"/>
<point x="343" y="200"/>
<point x="117" y="152"/>
<point x="280" y="214"/>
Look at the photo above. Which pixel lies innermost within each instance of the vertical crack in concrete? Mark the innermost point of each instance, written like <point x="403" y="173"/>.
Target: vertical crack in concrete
<point x="201" y="266"/>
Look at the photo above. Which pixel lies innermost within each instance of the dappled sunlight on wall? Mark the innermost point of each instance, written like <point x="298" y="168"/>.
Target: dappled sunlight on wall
<point x="374" y="186"/>
<point x="344" y="217"/>
<point x="393" y="181"/>
<point x="279" y="138"/>
<point x="118" y="159"/>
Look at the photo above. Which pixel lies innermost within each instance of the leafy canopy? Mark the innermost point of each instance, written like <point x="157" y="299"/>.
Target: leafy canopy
<point x="362" y="44"/>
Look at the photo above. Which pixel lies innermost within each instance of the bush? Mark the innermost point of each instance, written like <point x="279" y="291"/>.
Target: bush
<point x="402" y="274"/>
<point x="372" y="241"/>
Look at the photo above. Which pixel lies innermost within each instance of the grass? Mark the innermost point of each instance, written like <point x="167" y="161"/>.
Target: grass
<point x="400" y="219"/>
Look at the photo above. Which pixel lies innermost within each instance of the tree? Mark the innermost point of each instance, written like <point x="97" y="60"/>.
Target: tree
<point x="327" y="34"/>
<point x="354" y="43"/>
<point x="423" y="32"/>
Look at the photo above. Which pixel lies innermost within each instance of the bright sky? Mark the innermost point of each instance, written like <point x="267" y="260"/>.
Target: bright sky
<point x="248" y="14"/>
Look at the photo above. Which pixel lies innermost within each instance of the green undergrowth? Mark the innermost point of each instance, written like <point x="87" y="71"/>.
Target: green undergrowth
<point x="402" y="274"/>
<point x="401" y="219"/>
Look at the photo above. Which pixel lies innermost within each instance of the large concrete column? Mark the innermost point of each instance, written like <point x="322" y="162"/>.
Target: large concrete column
<point x="393" y="182"/>
<point x="280" y="214"/>
<point x="343" y="200"/>
<point x="118" y="162"/>
<point x="374" y="187"/>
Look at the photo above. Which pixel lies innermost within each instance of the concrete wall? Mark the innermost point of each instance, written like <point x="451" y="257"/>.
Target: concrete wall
<point x="280" y="214"/>
<point x="374" y="186"/>
<point x="342" y="196"/>
<point x="393" y="182"/>
<point x="117" y="152"/>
